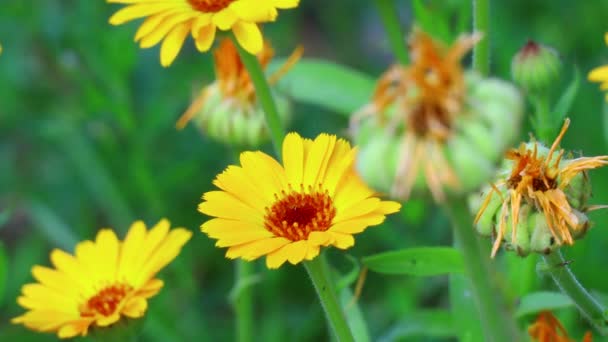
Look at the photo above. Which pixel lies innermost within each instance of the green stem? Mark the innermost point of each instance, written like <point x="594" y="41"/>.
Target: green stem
<point x="593" y="311"/>
<point x="543" y="125"/>
<point x="390" y="19"/>
<point x="319" y="273"/>
<point x="243" y="303"/>
<point x="497" y="326"/>
<point x="481" y="23"/>
<point x="263" y="94"/>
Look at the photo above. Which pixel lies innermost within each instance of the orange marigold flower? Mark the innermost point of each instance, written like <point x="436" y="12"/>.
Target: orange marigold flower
<point x="170" y="21"/>
<point x="547" y="328"/>
<point x="447" y="124"/>
<point x="288" y="212"/>
<point x="539" y="180"/>
<point x="102" y="282"/>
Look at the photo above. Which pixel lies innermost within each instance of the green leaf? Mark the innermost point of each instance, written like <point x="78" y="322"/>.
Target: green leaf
<point x="5" y="216"/>
<point x="433" y="21"/>
<point x="562" y="107"/>
<point x="354" y="316"/>
<point x="544" y="300"/>
<point x="50" y="225"/>
<point x="423" y="261"/>
<point x="351" y="277"/>
<point x="428" y="323"/>
<point x="327" y="85"/>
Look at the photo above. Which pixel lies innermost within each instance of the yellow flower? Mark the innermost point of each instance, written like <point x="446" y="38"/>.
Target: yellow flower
<point x="537" y="180"/>
<point x="170" y="21"/>
<point x="600" y="74"/>
<point x="105" y="280"/>
<point x="287" y="212"/>
<point x="548" y="329"/>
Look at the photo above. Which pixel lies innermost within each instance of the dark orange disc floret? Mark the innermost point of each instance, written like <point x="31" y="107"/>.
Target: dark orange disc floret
<point x="295" y="214"/>
<point x="106" y="301"/>
<point x="209" y="6"/>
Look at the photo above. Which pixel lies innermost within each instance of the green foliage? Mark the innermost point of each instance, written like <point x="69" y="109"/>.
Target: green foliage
<point x="422" y="261"/>
<point x="536" y="302"/>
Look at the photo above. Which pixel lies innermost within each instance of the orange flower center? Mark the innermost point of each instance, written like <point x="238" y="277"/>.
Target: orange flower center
<point x="296" y="214"/>
<point x="209" y="6"/>
<point x="105" y="301"/>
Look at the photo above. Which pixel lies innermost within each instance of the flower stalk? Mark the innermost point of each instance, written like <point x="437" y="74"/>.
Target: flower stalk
<point x="481" y="23"/>
<point x="497" y="326"/>
<point x="319" y="273"/>
<point x="262" y="91"/>
<point x="563" y="277"/>
<point x="390" y="20"/>
<point x="243" y="303"/>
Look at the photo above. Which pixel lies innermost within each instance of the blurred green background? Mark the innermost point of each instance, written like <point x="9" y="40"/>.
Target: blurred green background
<point x="87" y="140"/>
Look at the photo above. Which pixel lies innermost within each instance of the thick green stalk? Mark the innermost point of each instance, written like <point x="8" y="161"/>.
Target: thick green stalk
<point x="590" y="308"/>
<point x="263" y="94"/>
<point x="481" y="23"/>
<point x="319" y="273"/>
<point x="388" y="14"/>
<point x="543" y="123"/>
<point x="243" y="303"/>
<point x="497" y="326"/>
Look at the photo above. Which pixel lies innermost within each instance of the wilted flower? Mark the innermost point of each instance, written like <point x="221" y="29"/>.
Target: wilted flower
<point x="170" y="21"/>
<point x="431" y="125"/>
<point x="287" y="212"/>
<point x="547" y="328"/>
<point x="535" y="67"/>
<point x="600" y="74"/>
<point x="540" y="198"/>
<point x="105" y="280"/>
<point x="227" y="109"/>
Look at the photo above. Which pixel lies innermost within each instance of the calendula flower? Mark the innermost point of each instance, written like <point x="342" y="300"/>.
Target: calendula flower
<point x="227" y="109"/>
<point x="170" y="21"/>
<point x="540" y="199"/>
<point x="431" y="126"/>
<point x="287" y="212"/>
<point x="547" y="328"/>
<point x="600" y="74"/>
<point x="102" y="282"/>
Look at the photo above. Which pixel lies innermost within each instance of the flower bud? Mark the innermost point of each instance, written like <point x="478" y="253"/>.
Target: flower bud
<point x="535" y="67"/>
<point x="549" y="193"/>
<point x="433" y="128"/>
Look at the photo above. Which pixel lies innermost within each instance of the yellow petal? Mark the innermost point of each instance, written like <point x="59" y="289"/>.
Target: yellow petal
<point x="253" y="11"/>
<point x="173" y="43"/>
<point x="135" y="307"/>
<point x="253" y="250"/>
<point x="285" y="3"/>
<point x="294" y="252"/>
<point x="599" y="74"/>
<point x="249" y="36"/>
<point x="293" y="158"/>
<point x="224" y="19"/>
<point x="204" y="38"/>
<point x="224" y="205"/>
<point x="139" y="11"/>
<point x="317" y="160"/>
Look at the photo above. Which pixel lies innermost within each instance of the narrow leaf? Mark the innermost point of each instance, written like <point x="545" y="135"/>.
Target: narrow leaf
<point x="424" y="261"/>
<point x="562" y="107"/>
<point x="539" y="301"/>
<point x="328" y="85"/>
<point x="429" y="323"/>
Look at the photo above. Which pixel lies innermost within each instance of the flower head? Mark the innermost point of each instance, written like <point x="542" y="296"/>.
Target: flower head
<point x="535" y="67"/>
<point x="227" y="109"/>
<point x="600" y="74"/>
<point x="445" y="126"/>
<point x="105" y="280"/>
<point x="547" y="328"/>
<point x="287" y="212"/>
<point x="170" y="21"/>
<point x="540" y="194"/>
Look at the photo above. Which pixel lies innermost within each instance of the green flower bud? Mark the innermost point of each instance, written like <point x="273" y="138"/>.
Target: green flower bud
<point x="535" y="67"/>
<point x="236" y="123"/>
<point x="541" y="240"/>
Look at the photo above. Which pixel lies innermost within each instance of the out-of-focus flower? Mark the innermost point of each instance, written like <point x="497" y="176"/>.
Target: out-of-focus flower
<point x="170" y="21"/>
<point x="227" y="109"/>
<point x="547" y="328"/>
<point x="535" y="67"/>
<point x="540" y="198"/>
<point x="432" y="126"/>
<point x="104" y="281"/>
<point x="287" y="212"/>
<point x="600" y="74"/>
